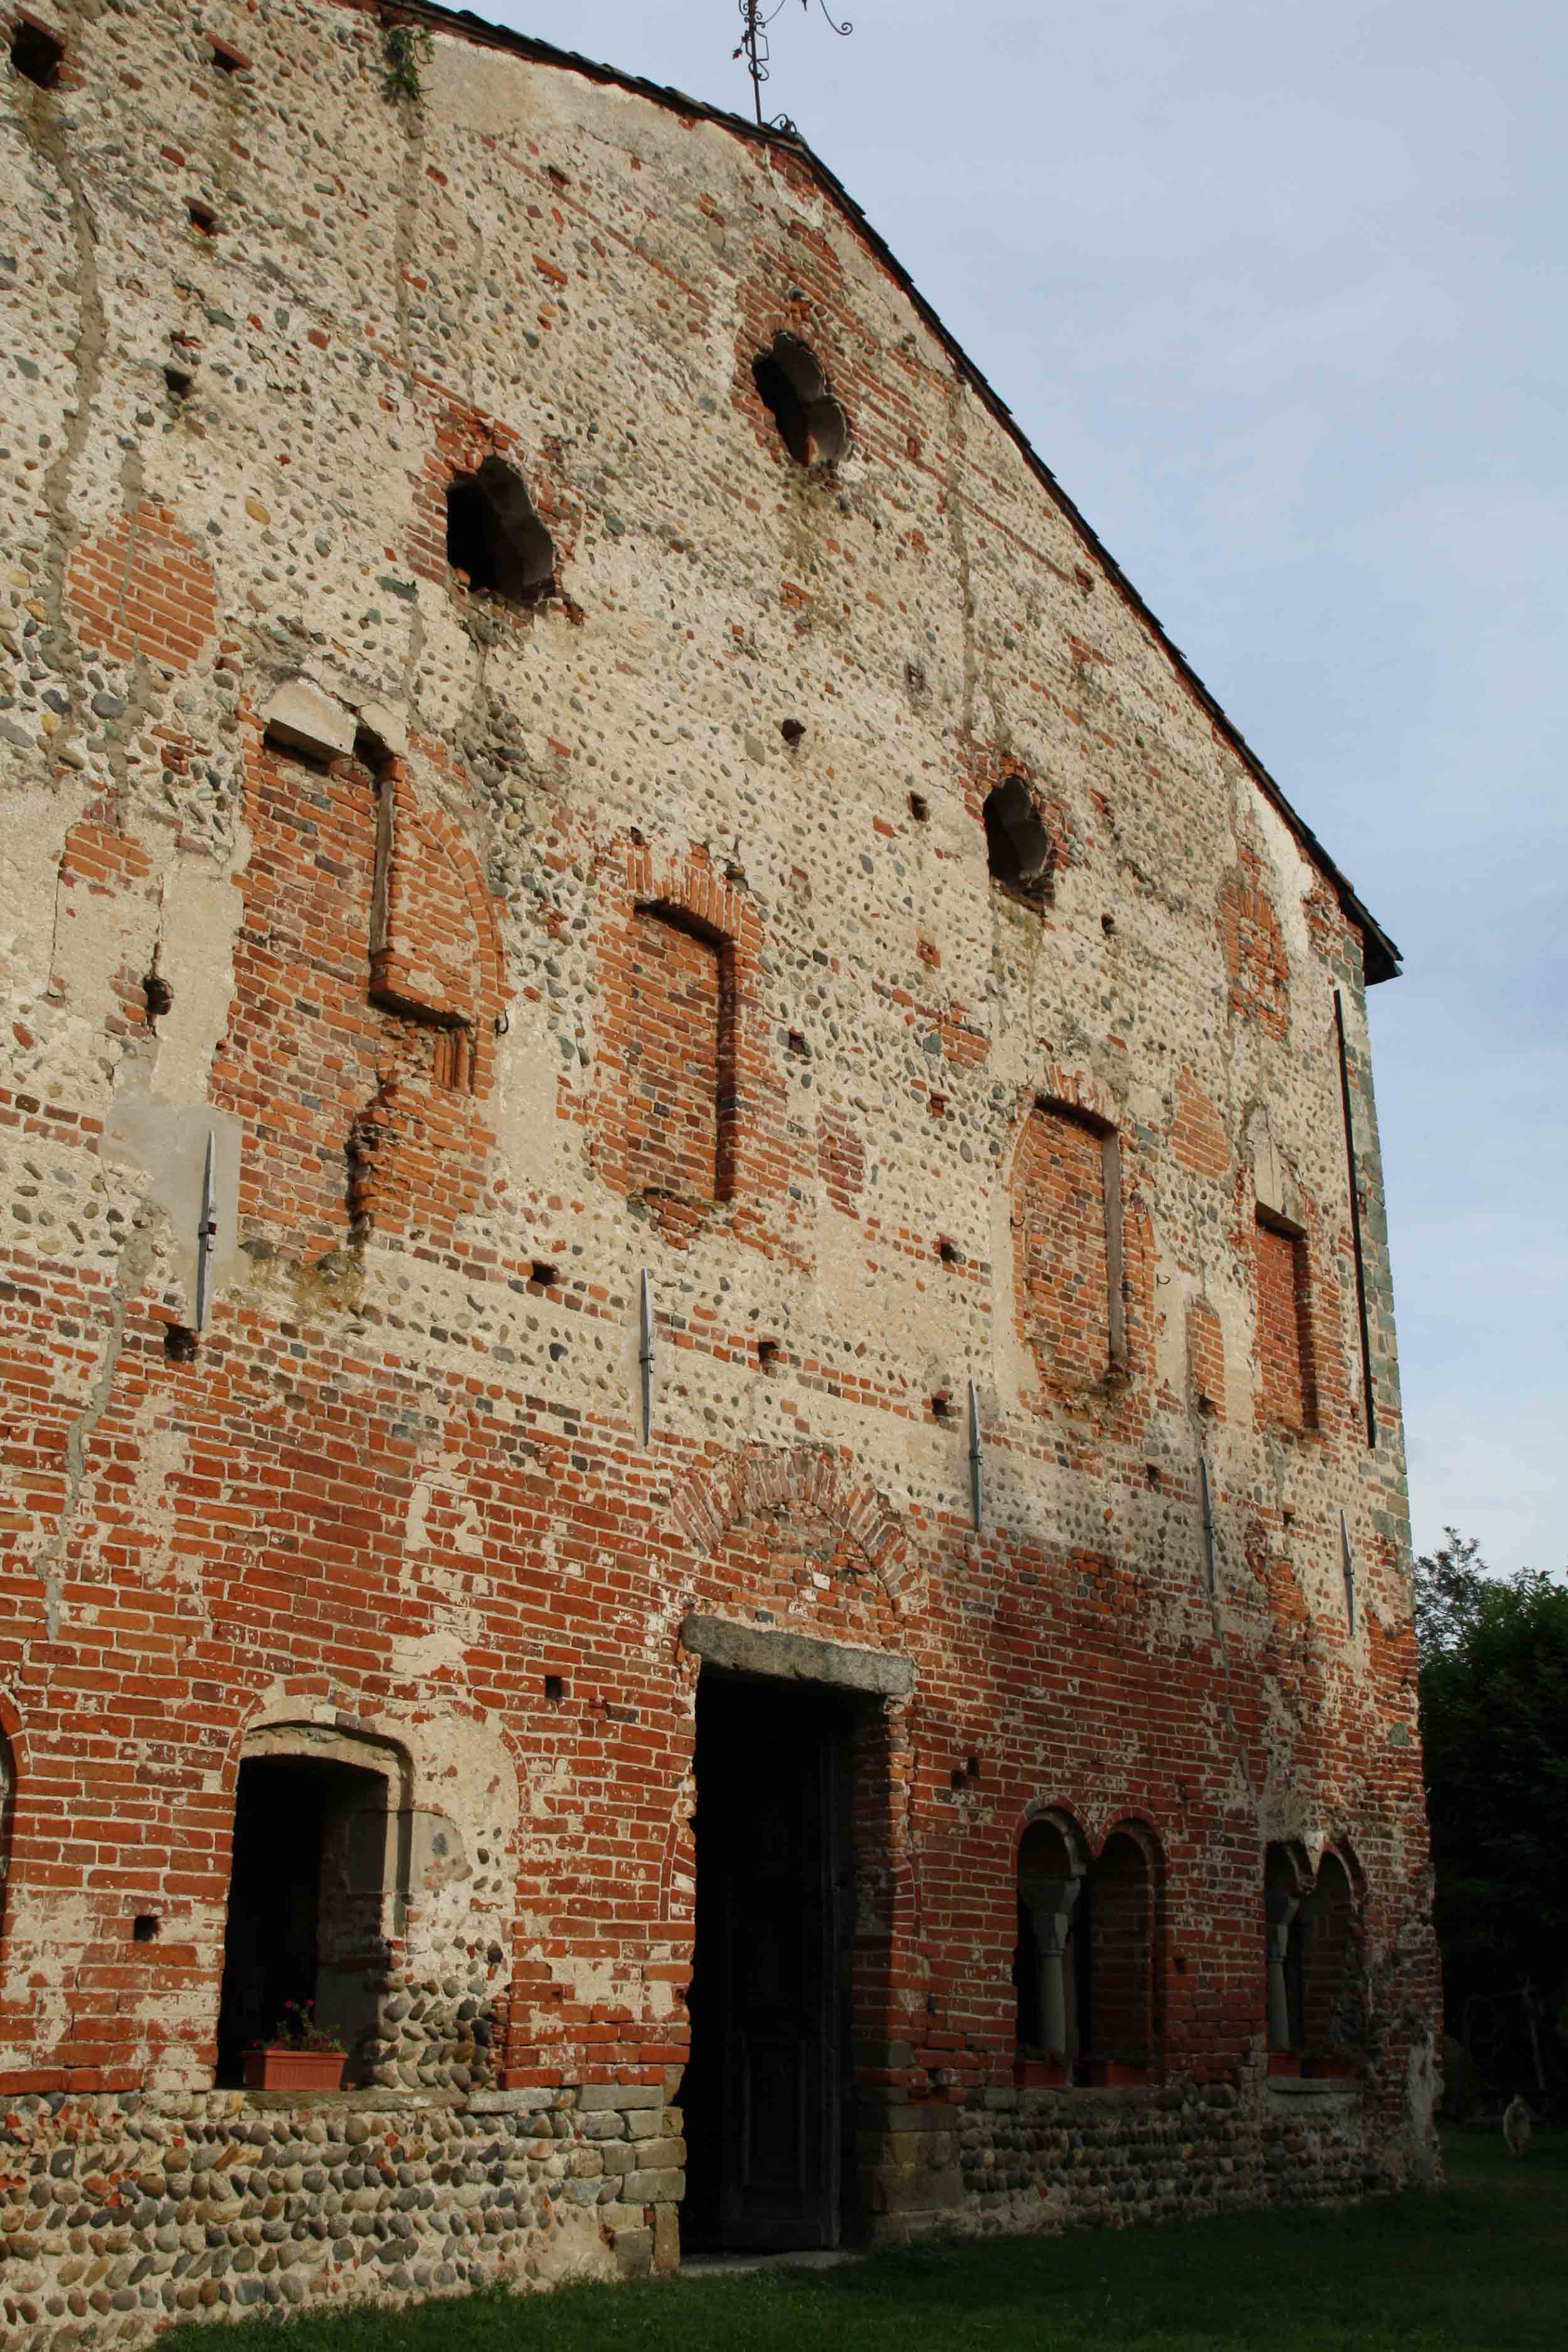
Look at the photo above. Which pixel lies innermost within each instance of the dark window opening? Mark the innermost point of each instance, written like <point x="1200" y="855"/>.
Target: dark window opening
<point x="316" y="1855"/>
<point x="1017" y="847"/>
<point x="793" y="390"/>
<point x="36" y="54"/>
<point x="1050" y="1960"/>
<point x="495" y="538"/>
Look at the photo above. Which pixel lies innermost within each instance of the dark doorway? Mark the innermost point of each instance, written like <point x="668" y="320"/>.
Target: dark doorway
<point x="764" y="2098"/>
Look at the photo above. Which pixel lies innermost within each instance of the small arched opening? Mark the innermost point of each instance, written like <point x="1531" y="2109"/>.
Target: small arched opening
<point x="1333" y="1991"/>
<point x="1050" y="1974"/>
<point x="1123" y="1906"/>
<point x="1017" y="847"/>
<point x="795" y="393"/>
<point x="1286" y="1880"/>
<point x="494" y="536"/>
<point x="318" y="1887"/>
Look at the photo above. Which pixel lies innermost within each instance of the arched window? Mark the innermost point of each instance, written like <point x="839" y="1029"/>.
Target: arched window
<point x="1017" y="847"/>
<point x="1333" y="1981"/>
<point x="1122" y="1894"/>
<point x="1284" y="1881"/>
<point x="1050" y="1958"/>
<point x="795" y="390"/>
<point x="318" y="1885"/>
<point x="495" y="538"/>
<point x="1317" y="1992"/>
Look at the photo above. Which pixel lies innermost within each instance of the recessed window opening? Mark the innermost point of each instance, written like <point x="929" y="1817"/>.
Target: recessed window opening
<point x="37" y="54"/>
<point x="795" y="390"/>
<point x="1070" y="1251"/>
<point x="317" y="1887"/>
<point x="682" y="1099"/>
<point x="1017" y="847"/>
<point x="1050" y="1958"/>
<point x="449" y="1058"/>
<point x="1122" y="1891"/>
<point x="495" y="537"/>
<point x="1287" y="1373"/>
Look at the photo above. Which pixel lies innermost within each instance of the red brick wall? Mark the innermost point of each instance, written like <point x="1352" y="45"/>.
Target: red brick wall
<point x="1287" y="1393"/>
<point x="1062" y="1271"/>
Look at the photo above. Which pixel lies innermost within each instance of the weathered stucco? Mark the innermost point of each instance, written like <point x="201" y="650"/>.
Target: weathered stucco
<point x="314" y="850"/>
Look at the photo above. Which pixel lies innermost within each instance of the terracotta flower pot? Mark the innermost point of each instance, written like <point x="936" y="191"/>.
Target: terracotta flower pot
<point x="1284" y="2062"/>
<point x="1116" y="2073"/>
<point x="275" y="2068"/>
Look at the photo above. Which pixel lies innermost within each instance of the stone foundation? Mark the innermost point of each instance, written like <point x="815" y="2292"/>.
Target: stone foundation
<point x="119" y="2216"/>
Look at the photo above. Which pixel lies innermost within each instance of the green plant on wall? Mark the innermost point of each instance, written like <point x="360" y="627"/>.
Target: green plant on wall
<point x="409" y="47"/>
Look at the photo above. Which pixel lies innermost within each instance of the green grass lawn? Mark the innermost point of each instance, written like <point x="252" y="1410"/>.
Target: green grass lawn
<point x="1481" y="2266"/>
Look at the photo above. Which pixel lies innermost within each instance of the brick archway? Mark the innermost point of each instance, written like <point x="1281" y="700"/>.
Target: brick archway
<point x="814" y="1479"/>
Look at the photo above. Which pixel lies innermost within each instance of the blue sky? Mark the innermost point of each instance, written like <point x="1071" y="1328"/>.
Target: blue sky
<point x="1280" y="293"/>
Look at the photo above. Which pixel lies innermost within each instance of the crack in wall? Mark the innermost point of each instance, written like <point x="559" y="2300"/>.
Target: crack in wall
<point x="131" y="1271"/>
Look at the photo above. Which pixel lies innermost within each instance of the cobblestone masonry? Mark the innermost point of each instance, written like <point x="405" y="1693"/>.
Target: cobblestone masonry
<point x="399" y="891"/>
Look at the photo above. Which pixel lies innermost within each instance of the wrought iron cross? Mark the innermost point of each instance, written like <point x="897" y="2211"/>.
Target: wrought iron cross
<point x="755" y="18"/>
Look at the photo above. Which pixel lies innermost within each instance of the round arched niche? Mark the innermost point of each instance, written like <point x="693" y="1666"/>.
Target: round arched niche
<point x="373" y="1875"/>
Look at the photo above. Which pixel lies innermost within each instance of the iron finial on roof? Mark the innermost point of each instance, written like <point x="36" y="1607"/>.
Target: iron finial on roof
<point x="755" y="18"/>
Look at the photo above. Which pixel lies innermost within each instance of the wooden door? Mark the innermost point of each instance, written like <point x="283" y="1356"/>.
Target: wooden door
<point x="770" y="1997"/>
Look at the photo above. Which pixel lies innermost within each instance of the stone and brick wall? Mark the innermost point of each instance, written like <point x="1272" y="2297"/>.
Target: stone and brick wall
<point x="502" y="950"/>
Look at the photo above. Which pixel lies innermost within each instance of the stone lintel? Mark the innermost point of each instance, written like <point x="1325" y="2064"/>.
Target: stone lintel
<point x="795" y="1657"/>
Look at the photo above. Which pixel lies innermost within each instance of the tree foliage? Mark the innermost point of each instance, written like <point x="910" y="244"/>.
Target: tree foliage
<point x="1494" y="1728"/>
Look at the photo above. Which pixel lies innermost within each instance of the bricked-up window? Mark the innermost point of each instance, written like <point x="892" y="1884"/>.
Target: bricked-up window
<point x="680" y="1058"/>
<point x="1067" y="1189"/>
<point x="795" y="390"/>
<point x="1122" y="1913"/>
<point x="494" y="536"/>
<point x="37" y="53"/>
<point x="1287" y="1390"/>
<point x="1017" y="847"/>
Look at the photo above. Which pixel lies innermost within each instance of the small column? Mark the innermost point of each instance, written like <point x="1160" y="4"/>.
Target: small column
<point x="1049" y="1902"/>
<point x="1282" y="1906"/>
